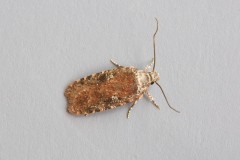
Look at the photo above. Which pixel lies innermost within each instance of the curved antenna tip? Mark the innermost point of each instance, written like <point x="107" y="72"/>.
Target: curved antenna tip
<point x="167" y="99"/>
<point x="154" y="48"/>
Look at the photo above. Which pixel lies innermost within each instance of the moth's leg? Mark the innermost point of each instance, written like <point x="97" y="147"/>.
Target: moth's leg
<point x="115" y="63"/>
<point x="129" y="110"/>
<point x="149" y="66"/>
<point x="151" y="99"/>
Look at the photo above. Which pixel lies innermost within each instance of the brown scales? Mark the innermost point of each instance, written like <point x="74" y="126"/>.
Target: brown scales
<point x="106" y="90"/>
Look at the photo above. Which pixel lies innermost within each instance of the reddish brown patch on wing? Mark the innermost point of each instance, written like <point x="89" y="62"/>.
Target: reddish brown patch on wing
<point x="102" y="91"/>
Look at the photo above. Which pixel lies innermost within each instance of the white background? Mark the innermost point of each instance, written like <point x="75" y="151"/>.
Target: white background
<point x="47" y="44"/>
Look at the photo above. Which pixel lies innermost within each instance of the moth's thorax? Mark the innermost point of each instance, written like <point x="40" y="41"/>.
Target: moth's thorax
<point x="147" y="77"/>
<point x="144" y="79"/>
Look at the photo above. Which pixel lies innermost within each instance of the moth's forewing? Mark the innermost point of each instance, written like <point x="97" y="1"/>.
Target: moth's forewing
<point x="102" y="91"/>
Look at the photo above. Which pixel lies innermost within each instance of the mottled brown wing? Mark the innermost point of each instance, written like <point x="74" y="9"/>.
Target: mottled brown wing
<point x="102" y="91"/>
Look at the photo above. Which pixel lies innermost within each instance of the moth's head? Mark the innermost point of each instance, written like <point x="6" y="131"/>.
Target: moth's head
<point x="154" y="76"/>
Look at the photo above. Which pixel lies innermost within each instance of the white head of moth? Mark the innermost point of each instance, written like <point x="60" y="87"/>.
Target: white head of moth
<point x="112" y="88"/>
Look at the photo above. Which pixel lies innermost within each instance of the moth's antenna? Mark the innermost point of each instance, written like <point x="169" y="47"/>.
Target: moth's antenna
<point x="154" y="49"/>
<point x="166" y="98"/>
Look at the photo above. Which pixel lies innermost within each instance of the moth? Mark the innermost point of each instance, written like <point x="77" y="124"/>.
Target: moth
<point x="113" y="88"/>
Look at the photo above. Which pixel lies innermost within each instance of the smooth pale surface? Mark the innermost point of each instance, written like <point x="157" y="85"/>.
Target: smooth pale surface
<point x="45" y="45"/>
